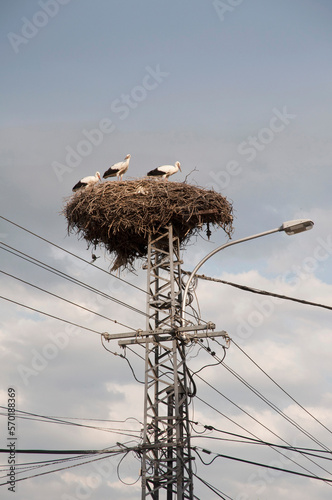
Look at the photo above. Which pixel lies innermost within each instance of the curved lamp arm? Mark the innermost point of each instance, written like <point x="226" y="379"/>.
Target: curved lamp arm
<point x="290" y="227"/>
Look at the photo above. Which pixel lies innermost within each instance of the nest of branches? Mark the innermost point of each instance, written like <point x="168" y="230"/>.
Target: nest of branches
<point x="121" y="215"/>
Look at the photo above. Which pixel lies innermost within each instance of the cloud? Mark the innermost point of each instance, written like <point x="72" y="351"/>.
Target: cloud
<point x="210" y="104"/>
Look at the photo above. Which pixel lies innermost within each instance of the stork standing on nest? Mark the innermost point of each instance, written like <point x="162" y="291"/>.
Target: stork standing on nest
<point x="165" y="171"/>
<point x="90" y="180"/>
<point x="118" y="169"/>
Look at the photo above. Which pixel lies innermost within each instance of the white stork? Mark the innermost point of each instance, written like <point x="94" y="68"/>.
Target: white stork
<point x="165" y="171"/>
<point x="90" y="180"/>
<point x="118" y="169"/>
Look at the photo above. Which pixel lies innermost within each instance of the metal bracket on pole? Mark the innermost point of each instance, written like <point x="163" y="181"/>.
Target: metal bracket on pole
<point x="160" y="331"/>
<point x="164" y="338"/>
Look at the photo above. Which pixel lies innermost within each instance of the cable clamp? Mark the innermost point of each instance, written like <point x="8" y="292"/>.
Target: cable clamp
<point x="210" y="326"/>
<point x="227" y="340"/>
<point x="139" y="333"/>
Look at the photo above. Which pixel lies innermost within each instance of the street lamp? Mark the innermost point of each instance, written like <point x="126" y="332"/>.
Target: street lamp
<point x="289" y="227"/>
<point x="296" y="226"/>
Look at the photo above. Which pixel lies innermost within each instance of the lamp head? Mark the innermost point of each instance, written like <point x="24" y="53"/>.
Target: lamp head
<point x="296" y="226"/>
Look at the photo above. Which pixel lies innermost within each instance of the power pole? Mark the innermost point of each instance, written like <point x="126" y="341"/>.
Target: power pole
<point x="166" y="460"/>
<point x="166" y="451"/>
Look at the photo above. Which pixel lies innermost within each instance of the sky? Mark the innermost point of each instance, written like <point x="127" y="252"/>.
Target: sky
<point x="238" y="91"/>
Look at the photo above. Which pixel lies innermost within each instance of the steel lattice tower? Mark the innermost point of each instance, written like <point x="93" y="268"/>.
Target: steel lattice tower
<point x="166" y="453"/>
<point x="166" y="462"/>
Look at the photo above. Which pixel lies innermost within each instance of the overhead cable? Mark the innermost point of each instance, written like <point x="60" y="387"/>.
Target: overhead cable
<point x="67" y="300"/>
<point x="66" y="276"/>
<point x="49" y="315"/>
<point x="72" y="254"/>
<point x="281" y="388"/>
<point x="248" y="440"/>
<point x="261" y="292"/>
<point x="108" y="453"/>
<point x="220" y="455"/>
<point x="257" y="421"/>
<point x="65" y="420"/>
<point x="267" y="401"/>
<point x="212" y="488"/>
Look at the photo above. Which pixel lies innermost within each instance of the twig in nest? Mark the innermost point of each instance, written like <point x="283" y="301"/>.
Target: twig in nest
<point x="186" y="177"/>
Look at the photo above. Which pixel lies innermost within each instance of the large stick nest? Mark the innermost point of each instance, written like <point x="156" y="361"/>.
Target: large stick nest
<point x="121" y="215"/>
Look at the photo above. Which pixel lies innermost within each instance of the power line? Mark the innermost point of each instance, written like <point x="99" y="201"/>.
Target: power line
<point x="47" y="267"/>
<point x="275" y="407"/>
<point x="308" y="476"/>
<point x="267" y="401"/>
<point x="133" y="433"/>
<point x="220" y="455"/>
<point x="78" y="257"/>
<point x="72" y="279"/>
<point x="108" y="453"/>
<point x="66" y="300"/>
<point x="281" y="388"/>
<point x="260" y="423"/>
<point x="215" y="490"/>
<point x="248" y="440"/>
<point x="72" y="254"/>
<point x="256" y="420"/>
<point x="260" y="292"/>
<point x="65" y="420"/>
<point x="25" y="467"/>
<point x="53" y="452"/>
<point x="50" y="315"/>
<point x="257" y="440"/>
<point x="124" y="357"/>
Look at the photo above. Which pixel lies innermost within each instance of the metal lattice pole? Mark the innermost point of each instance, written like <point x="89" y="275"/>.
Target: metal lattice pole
<point x="166" y="454"/>
<point x="166" y="461"/>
